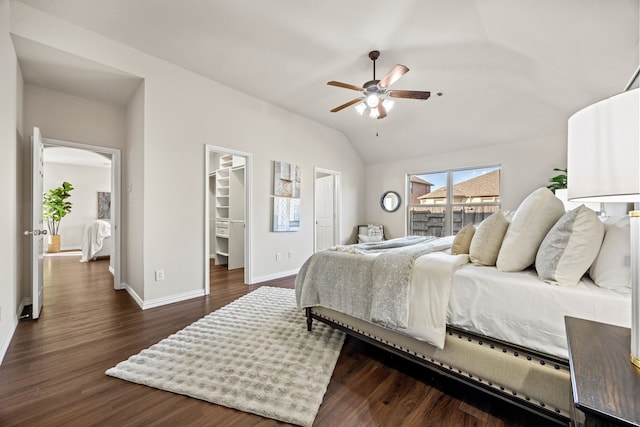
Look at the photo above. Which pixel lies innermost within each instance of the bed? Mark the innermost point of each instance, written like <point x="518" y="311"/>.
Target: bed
<point x="96" y="241"/>
<point x="499" y="331"/>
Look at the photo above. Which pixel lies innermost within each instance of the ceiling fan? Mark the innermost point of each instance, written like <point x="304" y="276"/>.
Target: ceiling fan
<point x="375" y="93"/>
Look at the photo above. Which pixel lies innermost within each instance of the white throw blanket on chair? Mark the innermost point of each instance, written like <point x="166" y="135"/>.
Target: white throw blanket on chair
<point x="94" y="235"/>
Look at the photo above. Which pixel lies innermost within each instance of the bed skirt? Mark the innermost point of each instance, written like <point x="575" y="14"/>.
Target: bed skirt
<point x="534" y="381"/>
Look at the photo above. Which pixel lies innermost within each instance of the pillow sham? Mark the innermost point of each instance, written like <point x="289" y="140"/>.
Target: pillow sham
<point x="374" y="230"/>
<point x="530" y="224"/>
<point x="462" y="241"/>
<point x="612" y="267"/>
<point x="570" y="247"/>
<point x="487" y="239"/>
<point x="368" y="239"/>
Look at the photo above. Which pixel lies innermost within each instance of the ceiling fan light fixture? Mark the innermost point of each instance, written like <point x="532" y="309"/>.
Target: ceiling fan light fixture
<point x="375" y="93"/>
<point x="372" y="100"/>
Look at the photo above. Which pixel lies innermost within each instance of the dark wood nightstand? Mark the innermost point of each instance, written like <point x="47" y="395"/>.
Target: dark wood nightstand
<point x="605" y="385"/>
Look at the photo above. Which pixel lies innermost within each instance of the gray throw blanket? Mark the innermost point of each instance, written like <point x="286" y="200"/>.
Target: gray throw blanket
<point x="369" y="281"/>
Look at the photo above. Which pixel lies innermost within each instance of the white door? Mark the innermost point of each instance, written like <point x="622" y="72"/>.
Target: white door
<point x="324" y="212"/>
<point x="37" y="231"/>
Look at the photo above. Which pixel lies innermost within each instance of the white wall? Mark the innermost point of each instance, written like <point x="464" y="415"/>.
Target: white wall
<point x="183" y="112"/>
<point x="9" y="232"/>
<point x="86" y="181"/>
<point x="524" y="167"/>
<point x="71" y="118"/>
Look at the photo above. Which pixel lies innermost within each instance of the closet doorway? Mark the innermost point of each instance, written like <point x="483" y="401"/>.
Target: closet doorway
<point x="227" y="211"/>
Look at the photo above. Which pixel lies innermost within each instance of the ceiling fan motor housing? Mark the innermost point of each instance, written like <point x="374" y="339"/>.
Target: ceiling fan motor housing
<point x="371" y="86"/>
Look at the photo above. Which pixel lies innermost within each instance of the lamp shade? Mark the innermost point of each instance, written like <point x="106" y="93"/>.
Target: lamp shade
<point x="603" y="155"/>
<point x="603" y="164"/>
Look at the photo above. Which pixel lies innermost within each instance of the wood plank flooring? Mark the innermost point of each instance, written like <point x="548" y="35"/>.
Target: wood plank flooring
<point x="53" y="372"/>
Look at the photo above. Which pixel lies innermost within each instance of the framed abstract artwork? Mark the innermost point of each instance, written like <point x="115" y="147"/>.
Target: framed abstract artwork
<point x="286" y="180"/>
<point x="286" y="214"/>
<point x="104" y="205"/>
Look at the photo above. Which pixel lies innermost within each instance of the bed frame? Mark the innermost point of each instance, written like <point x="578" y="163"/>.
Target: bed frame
<point x="531" y="380"/>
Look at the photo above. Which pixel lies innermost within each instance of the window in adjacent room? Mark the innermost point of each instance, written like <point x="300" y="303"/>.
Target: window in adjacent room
<point x="441" y="203"/>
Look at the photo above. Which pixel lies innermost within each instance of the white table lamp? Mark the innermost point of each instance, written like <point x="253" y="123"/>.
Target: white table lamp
<point x="603" y="163"/>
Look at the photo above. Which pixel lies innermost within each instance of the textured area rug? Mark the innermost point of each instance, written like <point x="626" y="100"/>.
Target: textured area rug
<point x="254" y="355"/>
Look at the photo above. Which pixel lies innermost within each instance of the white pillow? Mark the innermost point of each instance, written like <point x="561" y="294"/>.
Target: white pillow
<point x="612" y="267"/>
<point x="362" y="238"/>
<point x="530" y="224"/>
<point x="487" y="239"/>
<point x="570" y="247"/>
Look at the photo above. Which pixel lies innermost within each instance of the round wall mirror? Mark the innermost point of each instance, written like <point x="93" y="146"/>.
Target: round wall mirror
<point x="390" y="201"/>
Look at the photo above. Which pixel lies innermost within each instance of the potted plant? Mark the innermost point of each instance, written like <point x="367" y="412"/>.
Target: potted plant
<point x="558" y="182"/>
<point x="55" y="207"/>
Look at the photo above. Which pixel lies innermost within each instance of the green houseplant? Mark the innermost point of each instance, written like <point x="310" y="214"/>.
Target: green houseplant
<point x="559" y="181"/>
<point x="55" y="207"/>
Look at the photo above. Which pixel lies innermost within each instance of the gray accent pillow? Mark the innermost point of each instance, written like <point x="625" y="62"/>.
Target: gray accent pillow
<point x="570" y="247"/>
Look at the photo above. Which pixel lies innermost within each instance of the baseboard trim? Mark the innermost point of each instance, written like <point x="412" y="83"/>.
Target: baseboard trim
<point x="12" y="329"/>
<point x="158" y="302"/>
<point x="133" y="294"/>
<point x="280" y="275"/>
<point x="172" y="298"/>
<point x="7" y="340"/>
<point x="25" y="302"/>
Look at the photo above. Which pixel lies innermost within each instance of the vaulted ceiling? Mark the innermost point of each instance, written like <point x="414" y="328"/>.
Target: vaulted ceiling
<point x="509" y="70"/>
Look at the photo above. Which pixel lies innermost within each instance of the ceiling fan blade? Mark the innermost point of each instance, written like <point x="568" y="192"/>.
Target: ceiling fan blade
<point x="392" y="76"/>
<point x="382" y="112"/>
<point x="413" y="94"/>
<point x="347" y="104"/>
<point x="345" y="85"/>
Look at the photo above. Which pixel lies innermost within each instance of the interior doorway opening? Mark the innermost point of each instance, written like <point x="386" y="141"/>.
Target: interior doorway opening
<point x="326" y="191"/>
<point x="94" y="203"/>
<point x="69" y="163"/>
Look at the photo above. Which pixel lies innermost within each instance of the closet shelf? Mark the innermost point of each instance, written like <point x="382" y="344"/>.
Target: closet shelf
<point x="228" y="242"/>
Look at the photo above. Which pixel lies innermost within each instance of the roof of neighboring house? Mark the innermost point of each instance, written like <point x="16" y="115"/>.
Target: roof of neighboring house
<point x="415" y="178"/>
<point x="485" y="185"/>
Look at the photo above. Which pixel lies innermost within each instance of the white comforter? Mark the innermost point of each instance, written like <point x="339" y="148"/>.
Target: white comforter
<point x="93" y="239"/>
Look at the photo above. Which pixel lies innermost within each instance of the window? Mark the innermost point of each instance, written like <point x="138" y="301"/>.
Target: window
<point x="441" y="203"/>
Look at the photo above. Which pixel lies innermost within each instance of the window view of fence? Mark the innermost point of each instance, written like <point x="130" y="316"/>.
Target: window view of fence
<point x="441" y="203"/>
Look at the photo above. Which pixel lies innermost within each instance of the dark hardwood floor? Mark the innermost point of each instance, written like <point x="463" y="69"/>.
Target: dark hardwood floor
<point x="53" y="372"/>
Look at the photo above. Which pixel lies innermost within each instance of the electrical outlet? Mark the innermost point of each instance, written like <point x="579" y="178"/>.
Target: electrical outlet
<point x="159" y="275"/>
<point x="278" y="256"/>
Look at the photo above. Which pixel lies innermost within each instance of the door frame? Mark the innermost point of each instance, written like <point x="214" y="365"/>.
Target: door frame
<point x="337" y="197"/>
<point x="116" y="199"/>
<point x="248" y="260"/>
